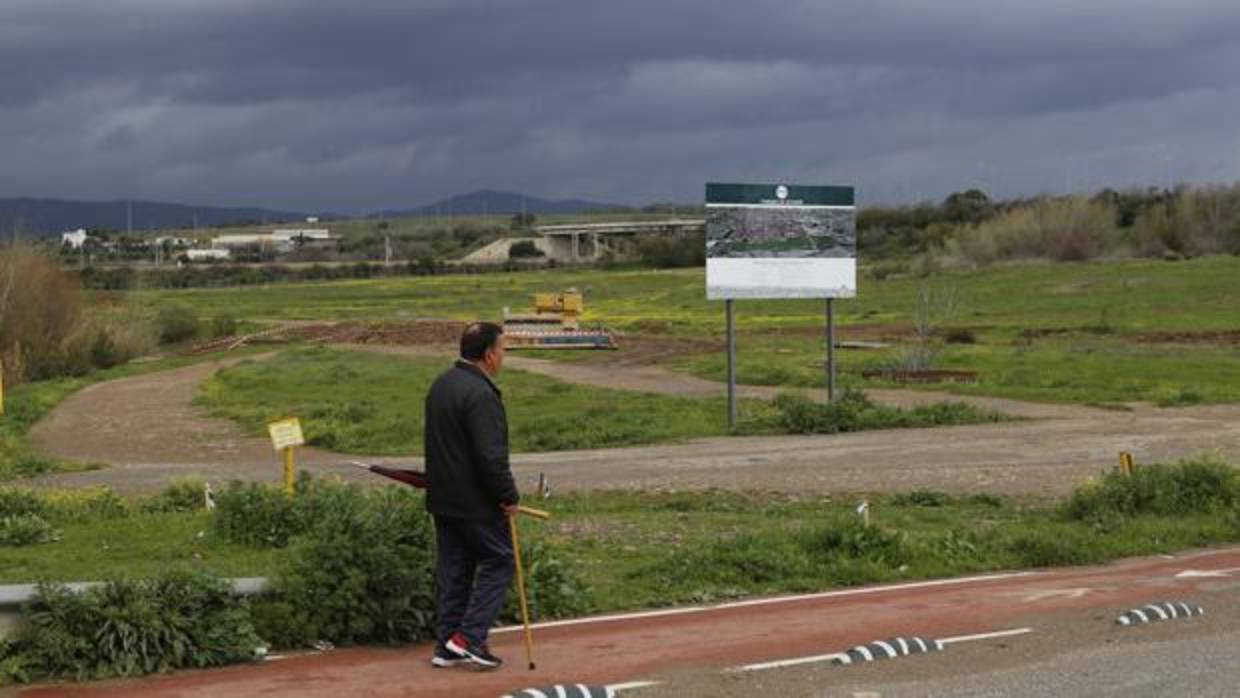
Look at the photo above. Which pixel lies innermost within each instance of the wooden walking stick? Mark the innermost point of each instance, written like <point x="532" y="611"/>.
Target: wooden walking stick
<point x="525" y="611"/>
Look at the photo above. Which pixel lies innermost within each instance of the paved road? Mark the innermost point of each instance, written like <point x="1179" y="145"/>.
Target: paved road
<point x="1073" y="647"/>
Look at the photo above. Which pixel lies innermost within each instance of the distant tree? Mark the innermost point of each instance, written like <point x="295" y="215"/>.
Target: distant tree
<point x="524" y="249"/>
<point x="971" y="206"/>
<point x="522" y="221"/>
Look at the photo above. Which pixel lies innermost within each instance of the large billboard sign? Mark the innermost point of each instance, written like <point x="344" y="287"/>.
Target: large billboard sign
<point x="780" y="241"/>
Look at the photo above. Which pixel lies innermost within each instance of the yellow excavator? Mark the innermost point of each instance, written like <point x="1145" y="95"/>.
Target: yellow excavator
<point x="554" y="323"/>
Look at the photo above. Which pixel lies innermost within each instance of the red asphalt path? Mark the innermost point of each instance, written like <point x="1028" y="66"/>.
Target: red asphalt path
<point x="638" y="647"/>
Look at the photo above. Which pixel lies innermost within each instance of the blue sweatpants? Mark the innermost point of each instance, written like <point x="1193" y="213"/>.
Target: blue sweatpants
<point x="475" y="566"/>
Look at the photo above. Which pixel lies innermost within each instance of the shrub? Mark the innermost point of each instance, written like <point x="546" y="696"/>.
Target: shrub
<point x="848" y="537"/>
<point x="853" y="411"/>
<point x="223" y="326"/>
<point x="1063" y="546"/>
<point x="362" y="574"/>
<point x="19" y="501"/>
<point x="26" y="529"/>
<point x="1064" y="229"/>
<point x="187" y="494"/>
<point x="12" y="664"/>
<point x="255" y="514"/>
<point x="921" y="498"/>
<point x="40" y="309"/>
<point x="1188" y="487"/>
<point x="551" y="588"/>
<point x="176" y="323"/>
<point x="524" y="249"/>
<point x="82" y="504"/>
<point x="664" y="252"/>
<point x="181" y="619"/>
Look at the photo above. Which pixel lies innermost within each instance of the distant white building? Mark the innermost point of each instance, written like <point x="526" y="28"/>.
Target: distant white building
<point x="288" y="235"/>
<point x="207" y="255"/>
<point x="227" y="241"/>
<point x="174" y="241"/>
<point x="74" y="238"/>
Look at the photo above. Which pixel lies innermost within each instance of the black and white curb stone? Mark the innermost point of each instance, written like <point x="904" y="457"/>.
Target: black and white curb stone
<point x="884" y="649"/>
<point x="577" y="690"/>
<point x="1162" y="610"/>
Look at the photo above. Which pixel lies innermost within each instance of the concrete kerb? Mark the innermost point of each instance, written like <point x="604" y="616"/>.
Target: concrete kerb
<point x="13" y="597"/>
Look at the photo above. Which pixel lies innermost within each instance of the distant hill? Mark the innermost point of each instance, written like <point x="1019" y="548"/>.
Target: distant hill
<point x="492" y="202"/>
<point x="48" y="217"/>
<point x="45" y="217"/>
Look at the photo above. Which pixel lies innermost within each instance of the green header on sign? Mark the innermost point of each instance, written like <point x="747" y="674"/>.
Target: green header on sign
<point x="786" y="194"/>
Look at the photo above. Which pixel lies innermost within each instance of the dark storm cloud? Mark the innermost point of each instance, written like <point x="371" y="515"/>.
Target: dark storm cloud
<point x="340" y="105"/>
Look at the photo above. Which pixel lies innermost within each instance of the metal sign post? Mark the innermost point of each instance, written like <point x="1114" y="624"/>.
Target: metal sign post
<point x="731" y="364"/>
<point x="285" y="436"/>
<point x="830" y="350"/>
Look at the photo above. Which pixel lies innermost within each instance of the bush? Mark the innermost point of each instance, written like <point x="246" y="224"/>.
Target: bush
<point x="921" y="498"/>
<point x="38" y="315"/>
<point x="1188" y="487"/>
<point x="1065" y="546"/>
<point x="223" y="326"/>
<point x="83" y="504"/>
<point x="255" y="514"/>
<point x="26" y="529"/>
<point x="181" y="619"/>
<point x="19" y="501"/>
<point x="551" y="588"/>
<point x="1063" y="229"/>
<point x="176" y="323"/>
<point x="853" y="411"/>
<point x="848" y="537"/>
<point x="183" y="495"/>
<point x="363" y="573"/>
<point x="524" y="249"/>
<point x="663" y="252"/>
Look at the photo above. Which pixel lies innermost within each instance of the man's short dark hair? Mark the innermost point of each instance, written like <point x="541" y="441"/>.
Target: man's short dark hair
<point x="478" y="338"/>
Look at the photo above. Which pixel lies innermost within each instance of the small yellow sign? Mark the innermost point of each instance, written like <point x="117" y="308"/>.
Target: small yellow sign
<point x="286" y="433"/>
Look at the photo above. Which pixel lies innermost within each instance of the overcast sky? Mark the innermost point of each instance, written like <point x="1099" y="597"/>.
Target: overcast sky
<point x="347" y="106"/>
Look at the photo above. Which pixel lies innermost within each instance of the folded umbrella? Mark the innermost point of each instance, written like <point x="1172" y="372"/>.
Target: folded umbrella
<point x="417" y="478"/>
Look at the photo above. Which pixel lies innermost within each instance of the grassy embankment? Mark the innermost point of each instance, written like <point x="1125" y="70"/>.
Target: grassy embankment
<point x="1082" y="333"/>
<point x="639" y="550"/>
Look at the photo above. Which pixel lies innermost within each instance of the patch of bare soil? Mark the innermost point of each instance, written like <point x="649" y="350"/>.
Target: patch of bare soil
<point x="1224" y="337"/>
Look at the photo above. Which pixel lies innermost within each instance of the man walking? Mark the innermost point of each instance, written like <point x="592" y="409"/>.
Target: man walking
<point x="470" y="494"/>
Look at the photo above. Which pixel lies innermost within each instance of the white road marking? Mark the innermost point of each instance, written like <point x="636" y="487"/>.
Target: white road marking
<point x="765" y="602"/>
<point x="1056" y="593"/>
<point x="1208" y="573"/>
<point x="779" y="664"/>
<point x="618" y="687"/>
<point x="985" y="636"/>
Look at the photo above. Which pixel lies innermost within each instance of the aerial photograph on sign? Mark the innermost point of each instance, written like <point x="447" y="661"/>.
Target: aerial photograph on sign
<point x="780" y="231"/>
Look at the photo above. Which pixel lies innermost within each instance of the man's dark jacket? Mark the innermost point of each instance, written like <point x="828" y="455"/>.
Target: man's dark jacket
<point x="467" y="470"/>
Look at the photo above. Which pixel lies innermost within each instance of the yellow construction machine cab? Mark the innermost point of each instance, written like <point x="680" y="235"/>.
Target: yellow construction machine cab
<point x="554" y="324"/>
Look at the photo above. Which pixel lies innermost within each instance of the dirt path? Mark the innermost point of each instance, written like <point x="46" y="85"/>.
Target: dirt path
<point x="147" y="430"/>
<point x="1065" y="612"/>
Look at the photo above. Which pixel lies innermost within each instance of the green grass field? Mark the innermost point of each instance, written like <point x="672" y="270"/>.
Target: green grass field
<point x="357" y="402"/>
<point x="1054" y="332"/>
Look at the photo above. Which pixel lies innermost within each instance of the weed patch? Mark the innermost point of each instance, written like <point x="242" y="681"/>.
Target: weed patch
<point x="854" y="411"/>
<point x="1197" y="486"/>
